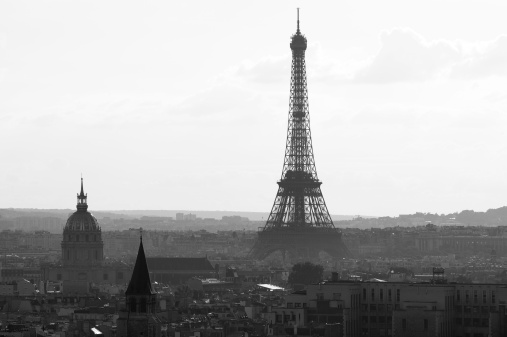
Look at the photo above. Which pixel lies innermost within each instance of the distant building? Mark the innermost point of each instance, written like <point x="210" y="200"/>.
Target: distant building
<point x="185" y="217"/>
<point x="82" y="259"/>
<point x="178" y="270"/>
<point x="394" y="309"/>
<point x="139" y="318"/>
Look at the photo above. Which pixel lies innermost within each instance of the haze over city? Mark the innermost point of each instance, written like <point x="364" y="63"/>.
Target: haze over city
<point x="184" y="105"/>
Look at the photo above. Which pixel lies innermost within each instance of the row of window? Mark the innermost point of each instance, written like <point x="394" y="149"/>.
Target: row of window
<point x="468" y="309"/>
<point x="81" y="256"/>
<point x="379" y="307"/>
<point x="404" y="324"/>
<point x="296" y="305"/>
<point x="475" y="322"/>
<point x="85" y="237"/>
<point x="381" y="295"/>
<point x="375" y="319"/>
<point x="476" y="294"/>
<point x="105" y="277"/>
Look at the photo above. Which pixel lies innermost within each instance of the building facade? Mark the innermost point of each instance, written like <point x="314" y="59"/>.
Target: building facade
<point x="432" y="309"/>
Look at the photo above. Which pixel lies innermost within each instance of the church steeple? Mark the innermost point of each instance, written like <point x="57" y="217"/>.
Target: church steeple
<point x="139" y="318"/>
<point x="82" y="204"/>
<point x="140" y="283"/>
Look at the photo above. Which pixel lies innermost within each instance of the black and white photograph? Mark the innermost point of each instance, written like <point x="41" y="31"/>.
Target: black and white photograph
<point x="158" y="172"/>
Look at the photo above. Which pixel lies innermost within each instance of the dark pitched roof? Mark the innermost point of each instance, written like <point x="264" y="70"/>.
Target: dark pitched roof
<point x="180" y="263"/>
<point x="140" y="283"/>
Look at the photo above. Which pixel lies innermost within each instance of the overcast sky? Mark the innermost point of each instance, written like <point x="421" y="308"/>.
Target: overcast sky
<point x="183" y="104"/>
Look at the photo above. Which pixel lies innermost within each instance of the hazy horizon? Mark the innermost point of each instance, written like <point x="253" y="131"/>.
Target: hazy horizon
<point x="184" y="105"/>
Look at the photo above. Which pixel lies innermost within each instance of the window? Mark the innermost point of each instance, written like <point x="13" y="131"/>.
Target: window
<point x="320" y="296"/>
<point x="398" y="295"/>
<point x="476" y="298"/>
<point x="106" y="276"/>
<point x="381" y="295"/>
<point x="458" y="296"/>
<point x="142" y="305"/>
<point x="373" y="319"/>
<point x="290" y="305"/>
<point x="404" y="324"/>
<point x="86" y="238"/>
<point x="337" y="296"/>
<point x="467" y="296"/>
<point x="493" y="298"/>
<point x="297" y="305"/>
<point x="364" y="294"/>
<point x="373" y="307"/>
<point x="389" y="295"/>
<point x="484" y="297"/>
<point x="373" y="294"/>
<point x="133" y="305"/>
<point x="425" y="325"/>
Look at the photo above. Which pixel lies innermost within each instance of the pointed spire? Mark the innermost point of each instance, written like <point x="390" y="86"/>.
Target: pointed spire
<point x="82" y="190"/>
<point x="81" y="198"/>
<point x="140" y="283"/>
<point x="298" y="32"/>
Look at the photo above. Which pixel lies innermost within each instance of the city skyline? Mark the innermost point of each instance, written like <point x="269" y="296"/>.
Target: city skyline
<point x="184" y="106"/>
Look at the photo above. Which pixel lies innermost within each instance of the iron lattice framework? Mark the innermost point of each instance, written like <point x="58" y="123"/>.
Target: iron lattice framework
<point x="299" y="220"/>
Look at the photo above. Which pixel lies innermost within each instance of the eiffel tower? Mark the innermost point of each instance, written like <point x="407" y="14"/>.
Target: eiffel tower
<point x="299" y="222"/>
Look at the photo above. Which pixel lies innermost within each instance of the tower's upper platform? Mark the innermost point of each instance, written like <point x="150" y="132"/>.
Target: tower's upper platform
<point x="298" y="40"/>
<point x="82" y="220"/>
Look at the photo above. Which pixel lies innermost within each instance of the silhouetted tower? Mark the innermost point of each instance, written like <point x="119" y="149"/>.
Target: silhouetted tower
<point x="299" y="221"/>
<point x="82" y="248"/>
<point x="139" y="318"/>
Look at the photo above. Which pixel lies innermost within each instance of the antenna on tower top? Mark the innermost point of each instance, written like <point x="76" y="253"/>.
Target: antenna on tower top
<point x="298" y="19"/>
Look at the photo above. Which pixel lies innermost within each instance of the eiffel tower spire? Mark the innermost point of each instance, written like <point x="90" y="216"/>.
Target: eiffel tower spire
<point x="299" y="215"/>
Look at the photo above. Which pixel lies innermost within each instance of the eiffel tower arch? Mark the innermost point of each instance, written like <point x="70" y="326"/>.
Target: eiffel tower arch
<point x="299" y="222"/>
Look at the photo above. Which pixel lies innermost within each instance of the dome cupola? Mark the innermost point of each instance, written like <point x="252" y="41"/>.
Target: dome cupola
<point x="82" y="220"/>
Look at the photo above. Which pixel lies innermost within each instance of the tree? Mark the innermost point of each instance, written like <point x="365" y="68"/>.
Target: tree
<point x="306" y="273"/>
<point x="183" y="296"/>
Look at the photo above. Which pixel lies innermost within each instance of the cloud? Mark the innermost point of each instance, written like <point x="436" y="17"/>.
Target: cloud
<point x="265" y="70"/>
<point x="487" y="59"/>
<point x="406" y="56"/>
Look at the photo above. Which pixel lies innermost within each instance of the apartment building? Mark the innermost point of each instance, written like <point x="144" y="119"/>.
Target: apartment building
<point x="376" y="308"/>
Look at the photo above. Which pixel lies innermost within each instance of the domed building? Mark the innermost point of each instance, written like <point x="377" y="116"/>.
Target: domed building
<point x="82" y="238"/>
<point x="82" y="247"/>
<point x="82" y="259"/>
